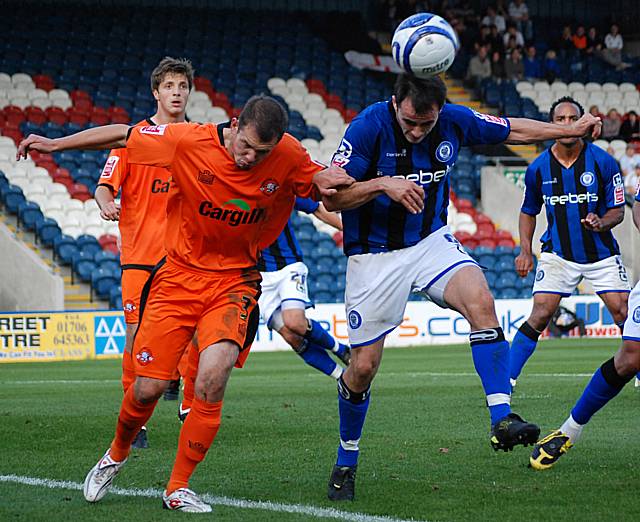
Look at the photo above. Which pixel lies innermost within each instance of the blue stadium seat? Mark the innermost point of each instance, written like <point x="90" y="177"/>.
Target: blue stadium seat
<point x="28" y="214"/>
<point x="48" y="231"/>
<point x="102" y="281"/>
<point x="12" y="197"/>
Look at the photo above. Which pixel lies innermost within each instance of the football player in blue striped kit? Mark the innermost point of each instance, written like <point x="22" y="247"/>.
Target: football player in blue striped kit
<point x="582" y="190"/>
<point x="285" y="297"/>
<point x="606" y="382"/>
<point x="401" y="152"/>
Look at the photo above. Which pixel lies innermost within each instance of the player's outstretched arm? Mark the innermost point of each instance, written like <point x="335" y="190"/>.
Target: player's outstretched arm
<point x="330" y="218"/>
<point x="407" y="193"/>
<point x="524" y="130"/>
<point x="329" y="180"/>
<point x="105" y="137"/>
<point x="524" y="261"/>
<point x="611" y="218"/>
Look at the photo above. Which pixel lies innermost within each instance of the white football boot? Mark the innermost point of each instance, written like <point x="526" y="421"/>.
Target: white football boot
<point x="183" y="499"/>
<point x="100" y="477"/>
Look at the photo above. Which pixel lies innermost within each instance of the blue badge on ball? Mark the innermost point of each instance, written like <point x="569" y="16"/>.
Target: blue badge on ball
<point x="444" y="151"/>
<point x="539" y="275"/>
<point x="587" y="179"/>
<point x="355" y="320"/>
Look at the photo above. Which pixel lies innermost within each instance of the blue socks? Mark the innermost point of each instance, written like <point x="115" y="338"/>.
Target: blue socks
<point x="318" y="335"/>
<point x="319" y="359"/>
<point x="352" y="407"/>
<point x="490" y="353"/>
<point x="603" y="386"/>
<point x="522" y="347"/>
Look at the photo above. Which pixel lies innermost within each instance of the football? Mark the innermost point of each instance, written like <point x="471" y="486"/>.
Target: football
<point x="424" y="45"/>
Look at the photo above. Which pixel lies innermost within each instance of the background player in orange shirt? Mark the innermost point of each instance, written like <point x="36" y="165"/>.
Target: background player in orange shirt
<point x="142" y="212"/>
<point x="232" y="190"/>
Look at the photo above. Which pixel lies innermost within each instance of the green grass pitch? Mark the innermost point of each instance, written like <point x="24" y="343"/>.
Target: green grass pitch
<point x="425" y="452"/>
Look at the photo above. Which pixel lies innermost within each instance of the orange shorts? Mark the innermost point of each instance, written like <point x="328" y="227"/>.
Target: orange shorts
<point x="133" y="280"/>
<point x="177" y="301"/>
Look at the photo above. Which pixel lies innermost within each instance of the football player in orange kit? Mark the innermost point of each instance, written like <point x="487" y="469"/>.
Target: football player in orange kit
<point x="233" y="187"/>
<point x="142" y="212"/>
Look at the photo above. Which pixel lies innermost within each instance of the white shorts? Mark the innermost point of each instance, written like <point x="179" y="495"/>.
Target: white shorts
<point x="378" y="285"/>
<point x="556" y="275"/>
<point x="283" y="289"/>
<point x="631" y="330"/>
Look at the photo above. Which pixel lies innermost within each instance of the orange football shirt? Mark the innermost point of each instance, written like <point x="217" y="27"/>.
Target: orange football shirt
<point x="144" y="191"/>
<point x="219" y="217"/>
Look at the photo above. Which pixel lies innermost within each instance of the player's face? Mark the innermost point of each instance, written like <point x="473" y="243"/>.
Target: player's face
<point x="172" y="94"/>
<point x="246" y="148"/>
<point x="415" y="127"/>
<point x="566" y="114"/>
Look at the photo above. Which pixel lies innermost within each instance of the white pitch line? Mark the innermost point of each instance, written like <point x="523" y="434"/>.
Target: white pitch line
<point x="278" y="507"/>
<point x="472" y="374"/>
<point x="66" y="381"/>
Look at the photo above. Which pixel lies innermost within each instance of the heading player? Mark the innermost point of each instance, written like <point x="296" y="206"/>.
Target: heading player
<point x="232" y="192"/>
<point x="142" y="212"/>
<point x="395" y="233"/>
<point x="605" y="384"/>
<point x="581" y="187"/>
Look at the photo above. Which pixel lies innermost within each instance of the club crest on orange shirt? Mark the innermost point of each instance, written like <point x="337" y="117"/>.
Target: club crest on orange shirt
<point x="269" y="187"/>
<point x="145" y="357"/>
<point x="206" y="177"/>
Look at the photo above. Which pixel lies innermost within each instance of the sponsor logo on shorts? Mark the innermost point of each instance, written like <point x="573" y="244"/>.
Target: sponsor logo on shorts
<point x="587" y="179"/>
<point x="129" y="306"/>
<point x="109" y="167"/>
<point x="636" y="315"/>
<point x="145" y="357"/>
<point x="156" y="130"/>
<point x="206" y="177"/>
<point x="444" y="151"/>
<point x="244" y="216"/>
<point x="539" y="275"/>
<point x="269" y="187"/>
<point x="355" y="320"/>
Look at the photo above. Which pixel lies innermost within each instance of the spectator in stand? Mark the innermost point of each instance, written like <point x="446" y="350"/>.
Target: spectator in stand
<point x="519" y="13"/>
<point x="497" y="65"/>
<point x="512" y="45"/>
<point x="631" y="181"/>
<point x="495" y="39"/>
<point x="501" y="8"/>
<point x="630" y="128"/>
<point x="580" y="39"/>
<point x="611" y="125"/>
<point x="512" y="31"/>
<point x="613" y="44"/>
<point x="595" y="111"/>
<point x="594" y="42"/>
<point x="484" y="39"/>
<point x="565" y="44"/>
<point x="532" y="65"/>
<point x="493" y="18"/>
<point x="479" y="68"/>
<point x="550" y="66"/>
<point x="629" y="161"/>
<point x="513" y="66"/>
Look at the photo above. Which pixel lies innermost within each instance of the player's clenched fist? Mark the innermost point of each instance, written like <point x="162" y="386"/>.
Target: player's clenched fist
<point x="588" y="124"/>
<point x="407" y="193"/>
<point x="37" y="143"/>
<point x="331" y="178"/>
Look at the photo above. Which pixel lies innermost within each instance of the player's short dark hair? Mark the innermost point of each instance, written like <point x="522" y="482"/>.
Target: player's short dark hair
<point x="565" y="99"/>
<point x="423" y="93"/>
<point x="170" y="65"/>
<point x="268" y="117"/>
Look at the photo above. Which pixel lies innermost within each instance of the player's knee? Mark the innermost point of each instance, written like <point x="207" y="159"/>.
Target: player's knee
<point x="540" y="316"/>
<point x="480" y="311"/>
<point x="363" y="369"/>
<point x="296" y="324"/>
<point x="149" y="390"/>
<point x="620" y="314"/>
<point x="627" y="360"/>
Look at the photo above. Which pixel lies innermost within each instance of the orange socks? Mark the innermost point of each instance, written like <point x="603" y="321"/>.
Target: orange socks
<point x="189" y="370"/>
<point x="197" y="434"/>
<point x="133" y="415"/>
<point x="128" y="373"/>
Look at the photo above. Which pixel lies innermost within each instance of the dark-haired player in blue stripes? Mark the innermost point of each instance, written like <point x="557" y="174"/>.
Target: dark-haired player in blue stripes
<point x="581" y="188"/>
<point x="401" y="152"/>
<point x="285" y="297"/>
<point x="606" y="382"/>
